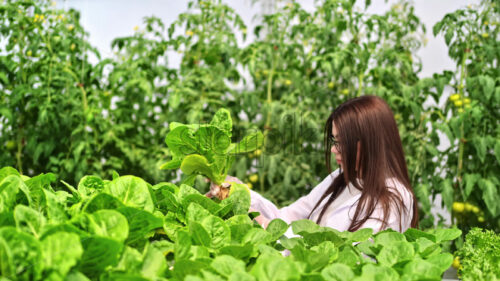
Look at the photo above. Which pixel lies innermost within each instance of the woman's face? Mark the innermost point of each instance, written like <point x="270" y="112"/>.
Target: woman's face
<point x="335" y="150"/>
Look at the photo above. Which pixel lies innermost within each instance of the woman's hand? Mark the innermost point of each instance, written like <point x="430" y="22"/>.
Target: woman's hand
<point x="221" y="191"/>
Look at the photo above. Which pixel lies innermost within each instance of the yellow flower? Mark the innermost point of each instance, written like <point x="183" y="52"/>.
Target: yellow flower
<point x="475" y="210"/>
<point x="458" y="103"/>
<point x="70" y="27"/>
<point x="288" y="82"/>
<point x="254" y="178"/>
<point x="485" y="22"/>
<point x="454" y="97"/>
<point x="72" y="47"/>
<point x="485" y="35"/>
<point x="29" y="53"/>
<point x="458" y="207"/>
<point x="258" y="152"/>
<point x="480" y="219"/>
<point x="244" y="30"/>
<point x="189" y="33"/>
<point x="469" y="6"/>
<point x="467" y="101"/>
<point x="249" y="185"/>
<point x="331" y="85"/>
<point x="467" y="106"/>
<point x="345" y="91"/>
<point x="136" y="28"/>
<point x="397" y="116"/>
<point x="460" y="110"/>
<point x="265" y="72"/>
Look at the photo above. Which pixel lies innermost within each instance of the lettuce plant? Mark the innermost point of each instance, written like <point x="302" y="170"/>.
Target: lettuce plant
<point x="206" y="149"/>
<point x="480" y="255"/>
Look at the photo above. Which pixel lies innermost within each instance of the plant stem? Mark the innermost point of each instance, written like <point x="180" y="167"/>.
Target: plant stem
<point x="462" y="140"/>
<point x="360" y="86"/>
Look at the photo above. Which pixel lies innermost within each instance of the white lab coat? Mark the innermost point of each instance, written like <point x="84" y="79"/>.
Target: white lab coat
<point x="340" y="213"/>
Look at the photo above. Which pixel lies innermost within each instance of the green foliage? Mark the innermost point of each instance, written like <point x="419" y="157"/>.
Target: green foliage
<point x="471" y="164"/>
<point x="480" y="255"/>
<point x="61" y="113"/>
<point x="207" y="149"/>
<point x="111" y="233"/>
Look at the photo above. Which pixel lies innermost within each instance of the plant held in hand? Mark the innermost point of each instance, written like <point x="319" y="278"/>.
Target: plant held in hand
<point x="206" y="149"/>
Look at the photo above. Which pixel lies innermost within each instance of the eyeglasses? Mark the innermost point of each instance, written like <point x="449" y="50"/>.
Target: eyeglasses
<point x="334" y="142"/>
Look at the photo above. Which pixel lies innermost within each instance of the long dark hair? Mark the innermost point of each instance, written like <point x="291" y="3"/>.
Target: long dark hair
<point x="369" y="121"/>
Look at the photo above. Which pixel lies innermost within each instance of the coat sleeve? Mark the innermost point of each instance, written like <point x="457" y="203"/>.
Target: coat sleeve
<point x="300" y="209"/>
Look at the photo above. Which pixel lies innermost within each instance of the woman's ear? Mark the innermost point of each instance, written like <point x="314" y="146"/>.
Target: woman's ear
<point x="358" y="155"/>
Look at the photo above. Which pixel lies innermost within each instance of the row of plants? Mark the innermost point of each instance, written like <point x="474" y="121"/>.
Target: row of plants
<point x="128" y="229"/>
<point x="63" y="114"/>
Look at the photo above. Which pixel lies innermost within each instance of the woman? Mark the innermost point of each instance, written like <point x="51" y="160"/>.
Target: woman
<point x="371" y="189"/>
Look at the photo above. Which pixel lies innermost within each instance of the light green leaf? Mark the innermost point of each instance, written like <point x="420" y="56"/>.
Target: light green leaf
<point x="99" y="253"/>
<point x="442" y="261"/>
<point x="102" y="201"/>
<point x="170" y="165"/>
<point x="420" y="269"/>
<point x="154" y="264"/>
<point x="131" y="191"/>
<point x="196" y="213"/>
<point x="226" y="265"/>
<point x="273" y="268"/>
<point x="412" y="234"/>
<point x="182" y="245"/>
<point x="29" y="220"/>
<point x="304" y="226"/>
<point x="61" y="251"/>
<point x="212" y="141"/>
<point x="222" y="120"/>
<point x="249" y="143"/>
<point x="276" y="228"/>
<point x="395" y="252"/>
<point x="109" y="223"/>
<point x="337" y="272"/>
<point x="140" y="222"/>
<point x="89" y="185"/>
<point x="199" y="234"/>
<point x="377" y="272"/>
<point x="198" y="164"/>
<point x="447" y="234"/>
<point x="181" y="141"/>
<point x="20" y="255"/>
<point x="218" y="231"/>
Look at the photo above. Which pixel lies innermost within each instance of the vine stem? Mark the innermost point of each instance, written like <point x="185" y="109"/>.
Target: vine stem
<point x="461" y="142"/>
<point x="360" y="86"/>
<point x="269" y="101"/>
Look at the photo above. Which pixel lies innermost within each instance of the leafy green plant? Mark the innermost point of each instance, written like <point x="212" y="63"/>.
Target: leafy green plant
<point x="125" y="228"/>
<point x="207" y="149"/>
<point x="470" y="118"/>
<point x="61" y="113"/>
<point x="480" y="255"/>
